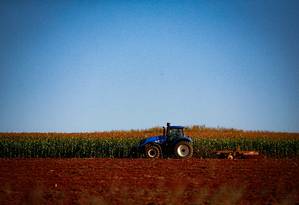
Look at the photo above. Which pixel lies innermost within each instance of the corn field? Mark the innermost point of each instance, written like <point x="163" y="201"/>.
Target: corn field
<point x="123" y="144"/>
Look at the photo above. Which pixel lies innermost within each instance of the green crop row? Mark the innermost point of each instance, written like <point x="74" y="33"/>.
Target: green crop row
<point x="11" y="147"/>
<point x="67" y="147"/>
<point x="276" y="148"/>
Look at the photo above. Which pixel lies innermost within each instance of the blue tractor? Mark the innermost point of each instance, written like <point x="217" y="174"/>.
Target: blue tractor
<point x="173" y="142"/>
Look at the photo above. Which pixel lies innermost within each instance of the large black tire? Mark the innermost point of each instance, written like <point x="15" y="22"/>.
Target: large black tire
<point x="183" y="149"/>
<point x="152" y="151"/>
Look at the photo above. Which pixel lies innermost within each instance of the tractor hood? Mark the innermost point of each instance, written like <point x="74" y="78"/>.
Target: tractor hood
<point x="155" y="139"/>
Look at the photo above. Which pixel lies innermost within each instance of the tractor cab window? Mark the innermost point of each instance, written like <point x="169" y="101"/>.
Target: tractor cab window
<point x="174" y="133"/>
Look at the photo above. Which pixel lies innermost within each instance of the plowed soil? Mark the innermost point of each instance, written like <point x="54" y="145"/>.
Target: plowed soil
<point x="141" y="181"/>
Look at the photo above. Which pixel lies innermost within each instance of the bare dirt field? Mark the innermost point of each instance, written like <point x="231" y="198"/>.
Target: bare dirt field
<point x="141" y="181"/>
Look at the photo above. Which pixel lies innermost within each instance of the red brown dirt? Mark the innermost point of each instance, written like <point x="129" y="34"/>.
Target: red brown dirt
<point x="141" y="181"/>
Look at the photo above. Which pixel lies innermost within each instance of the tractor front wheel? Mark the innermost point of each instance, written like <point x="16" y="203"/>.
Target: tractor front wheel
<point x="183" y="150"/>
<point x="152" y="151"/>
<point x="230" y="156"/>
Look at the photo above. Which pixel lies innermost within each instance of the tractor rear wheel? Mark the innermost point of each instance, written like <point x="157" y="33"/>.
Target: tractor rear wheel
<point x="152" y="151"/>
<point x="183" y="150"/>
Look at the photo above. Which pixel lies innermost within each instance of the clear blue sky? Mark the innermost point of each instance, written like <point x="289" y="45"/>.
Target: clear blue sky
<point x="100" y="65"/>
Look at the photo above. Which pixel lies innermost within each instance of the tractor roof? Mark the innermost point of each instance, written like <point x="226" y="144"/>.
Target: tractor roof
<point x="176" y="127"/>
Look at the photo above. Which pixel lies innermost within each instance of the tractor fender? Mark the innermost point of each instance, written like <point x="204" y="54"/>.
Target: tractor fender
<point x="155" y="144"/>
<point x="185" y="139"/>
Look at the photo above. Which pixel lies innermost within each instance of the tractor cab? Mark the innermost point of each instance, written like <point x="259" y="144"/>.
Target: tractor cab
<point x="173" y="133"/>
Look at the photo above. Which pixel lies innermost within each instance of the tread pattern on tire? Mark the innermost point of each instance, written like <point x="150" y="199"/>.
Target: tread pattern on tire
<point x="156" y="146"/>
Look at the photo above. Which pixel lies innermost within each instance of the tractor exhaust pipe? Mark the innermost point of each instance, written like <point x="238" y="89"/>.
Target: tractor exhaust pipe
<point x="167" y="128"/>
